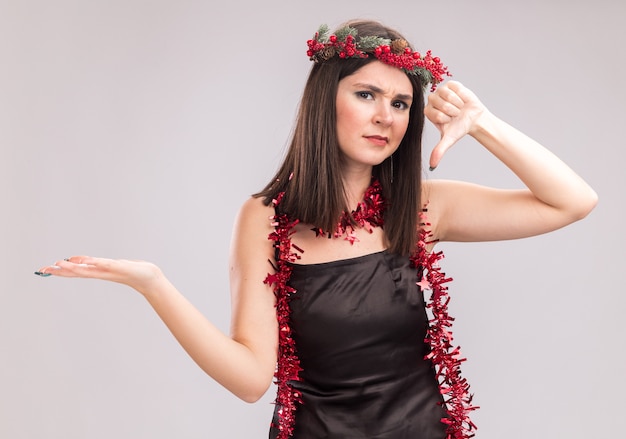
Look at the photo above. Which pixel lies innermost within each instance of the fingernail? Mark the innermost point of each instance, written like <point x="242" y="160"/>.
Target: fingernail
<point x="432" y="168"/>
<point x="39" y="273"/>
<point x="66" y="259"/>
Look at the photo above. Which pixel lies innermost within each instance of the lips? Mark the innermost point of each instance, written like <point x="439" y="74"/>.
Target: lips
<point x="378" y="140"/>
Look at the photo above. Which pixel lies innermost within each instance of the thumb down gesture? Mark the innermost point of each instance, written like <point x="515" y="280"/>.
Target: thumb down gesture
<point x="454" y="110"/>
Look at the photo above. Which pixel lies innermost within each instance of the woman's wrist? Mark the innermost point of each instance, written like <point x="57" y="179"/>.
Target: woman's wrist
<point x="484" y="125"/>
<point x="153" y="283"/>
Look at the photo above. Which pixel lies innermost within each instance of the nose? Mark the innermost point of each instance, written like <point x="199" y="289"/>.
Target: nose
<point x="383" y="115"/>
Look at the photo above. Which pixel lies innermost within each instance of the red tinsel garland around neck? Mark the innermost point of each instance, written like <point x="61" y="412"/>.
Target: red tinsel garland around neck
<point x="445" y="358"/>
<point x="369" y="213"/>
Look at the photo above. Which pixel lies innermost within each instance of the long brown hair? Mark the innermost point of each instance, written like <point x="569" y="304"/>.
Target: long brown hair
<point x="315" y="194"/>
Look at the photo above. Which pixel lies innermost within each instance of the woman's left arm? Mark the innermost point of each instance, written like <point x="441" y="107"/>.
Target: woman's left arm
<point x="555" y="194"/>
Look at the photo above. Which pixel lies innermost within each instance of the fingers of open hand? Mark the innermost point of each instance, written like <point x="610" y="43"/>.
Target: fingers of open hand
<point x="77" y="266"/>
<point x="137" y="274"/>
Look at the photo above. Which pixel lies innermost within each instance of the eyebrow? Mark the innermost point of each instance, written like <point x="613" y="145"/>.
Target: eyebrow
<point x="375" y="89"/>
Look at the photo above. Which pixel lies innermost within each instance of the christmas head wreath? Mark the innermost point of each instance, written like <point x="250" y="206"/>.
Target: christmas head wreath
<point x="345" y="43"/>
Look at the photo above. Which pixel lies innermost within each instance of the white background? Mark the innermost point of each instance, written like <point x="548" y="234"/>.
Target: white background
<point x="137" y="128"/>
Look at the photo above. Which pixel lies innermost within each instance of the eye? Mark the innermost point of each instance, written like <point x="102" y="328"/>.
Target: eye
<point x="400" y="105"/>
<point x="365" y="95"/>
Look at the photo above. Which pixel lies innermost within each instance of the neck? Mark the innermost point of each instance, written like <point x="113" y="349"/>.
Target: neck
<point x="355" y="183"/>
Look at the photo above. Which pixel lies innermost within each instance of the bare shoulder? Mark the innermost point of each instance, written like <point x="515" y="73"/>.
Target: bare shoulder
<point x="426" y="191"/>
<point x="431" y="199"/>
<point x="251" y="231"/>
<point x="435" y="189"/>
<point x="448" y="202"/>
<point x="254" y="212"/>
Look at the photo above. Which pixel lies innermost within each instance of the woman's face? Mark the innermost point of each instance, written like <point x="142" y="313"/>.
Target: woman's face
<point x="372" y="113"/>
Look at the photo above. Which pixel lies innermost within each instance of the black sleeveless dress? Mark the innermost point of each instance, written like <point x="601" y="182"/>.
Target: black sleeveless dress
<point x="359" y="327"/>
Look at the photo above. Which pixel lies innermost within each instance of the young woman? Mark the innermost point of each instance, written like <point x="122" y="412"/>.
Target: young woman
<point x="330" y="261"/>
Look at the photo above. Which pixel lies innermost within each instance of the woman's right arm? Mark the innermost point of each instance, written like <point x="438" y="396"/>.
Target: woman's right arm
<point x="243" y="362"/>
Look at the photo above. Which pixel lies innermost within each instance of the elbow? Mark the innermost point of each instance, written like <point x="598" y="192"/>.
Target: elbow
<point x="575" y="209"/>
<point x="252" y="390"/>
<point x="585" y="205"/>
<point x="251" y="399"/>
<point x="252" y="395"/>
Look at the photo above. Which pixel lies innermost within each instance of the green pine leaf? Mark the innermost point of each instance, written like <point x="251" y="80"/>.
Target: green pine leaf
<point x="372" y="42"/>
<point x="323" y="33"/>
<point x="425" y="76"/>
<point x="342" y="33"/>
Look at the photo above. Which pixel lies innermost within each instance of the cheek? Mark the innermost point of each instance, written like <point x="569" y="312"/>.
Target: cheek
<point x="402" y="127"/>
<point x="346" y="121"/>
